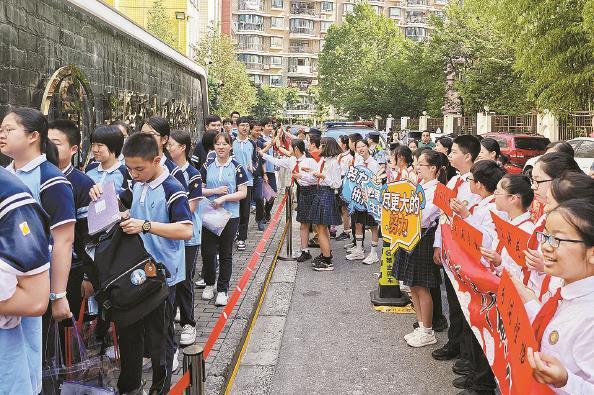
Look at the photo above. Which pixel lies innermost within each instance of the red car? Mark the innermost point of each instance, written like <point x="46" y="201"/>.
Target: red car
<point x="520" y="147"/>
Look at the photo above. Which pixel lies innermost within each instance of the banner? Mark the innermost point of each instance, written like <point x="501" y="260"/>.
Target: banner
<point x="468" y="237"/>
<point x="442" y="198"/>
<point x="476" y="288"/>
<point x="514" y="239"/>
<point x="401" y="214"/>
<point x="362" y="191"/>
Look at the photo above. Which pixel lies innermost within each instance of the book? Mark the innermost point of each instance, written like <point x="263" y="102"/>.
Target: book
<point x="105" y="211"/>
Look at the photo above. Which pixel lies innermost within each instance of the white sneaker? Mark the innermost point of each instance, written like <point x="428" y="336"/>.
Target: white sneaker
<point x="208" y="292"/>
<point x="200" y="284"/>
<point x="356" y="255"/>
<point x="351" y="249"/>
<point x="371" y="258"/>
<point x="110" y="352"/>
<point x="177" y="316"/>
<point x="414" y="333"/>
<point x="349" y="245"/>
<point x="188" y="335"/>
<point x="221" y="299"/>
<point x="422" y="339"/>
<point x="175" y="363"/>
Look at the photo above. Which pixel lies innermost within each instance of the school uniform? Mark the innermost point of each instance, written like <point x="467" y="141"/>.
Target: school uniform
<point x="569" y="333"/>
<point x="270" y="171"/>
<point x="174" y="171"/>
<point x="244" y="152"/>
<point x="480" y="218"/>
<point x="363" y="217"/>
<point x="523" y="222"/>
<point x="162" y="200"/>
<point x="324" y="207"/>
<point x="53" y="192"/>
<point x="232" y="175"/>
<point x="118" y="174"/>
<point x="417" y="269"/>
<point x="24" y="232"/>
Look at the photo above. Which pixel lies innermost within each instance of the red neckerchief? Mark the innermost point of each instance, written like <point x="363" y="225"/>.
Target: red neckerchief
<point x="545" y="315"/>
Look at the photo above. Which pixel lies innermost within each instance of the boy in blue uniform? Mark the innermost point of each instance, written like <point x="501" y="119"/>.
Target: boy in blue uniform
<point x="106" y="145"/>
<point x="269" y="175"/>
<point x="244" y="152"/>
<point x="160" y="213"/>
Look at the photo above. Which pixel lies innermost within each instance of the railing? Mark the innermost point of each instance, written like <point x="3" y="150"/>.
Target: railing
<point x="301" y="107"/>
<point x="302" y="86"/>
<point x="465" y="125"/>
<point x="514" y="123"/>
<point x="412" y="123"/>
<point x="302" y="30"/>
<point x="413" y="3"/>
<point x="250" y="47"/>
<point x="576" y="124"/>
<point x="251" y="5"/>
<point x="302" y="69"/>
<point x="300" y="49"/>
<point x="250" y="26"/>
<point x="434" y="123"/>
<point x="303" y="11"/>
<point x="254" y="66"/>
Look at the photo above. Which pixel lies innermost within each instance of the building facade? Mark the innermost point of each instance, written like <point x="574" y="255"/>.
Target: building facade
<point x="279" y="40"/>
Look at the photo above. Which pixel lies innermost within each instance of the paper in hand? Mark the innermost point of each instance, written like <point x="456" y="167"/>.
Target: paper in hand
<point x="105" y="211"/>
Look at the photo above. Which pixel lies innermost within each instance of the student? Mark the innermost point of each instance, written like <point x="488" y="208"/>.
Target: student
<point x="269" y="175"/>
<point x="560" y="146"/>
<point x="444" y="145"/>
<point x="24" y="284"/>
<point x="426" y="141"/>
<point x="404" y="164"/>
<point x="126" y="131"/>
<point x="225" y="185"/>
<point x="179" y="148"/>
<point x="417" y="270"/>
<point x="363" y="218"/>
<point x="307" y="188"/>
<point x="160" y="214"/>
<point x="571" y="185"/>
<point x="227" y="125"/>
<point x="34" y="159"/>
<point x="324" y="210"/>
<point x="256" y="138"/>
<point x="234" y="124"/>
<point x="344" y="160"/>
<point x="489" y="150"/>
<point x="564" y="325"/>
<point x="106" y="145"/>
<point x="355" y="158"/>
<point x="412" y="145"/>
<point x="513" y="197"/>
<point x="66" y="137"/>
<point x="244" y="152"/>
<point x="213" y="126"/>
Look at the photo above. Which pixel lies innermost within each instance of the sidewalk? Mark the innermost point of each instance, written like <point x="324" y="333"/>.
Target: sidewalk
<point x="221" y="359"/>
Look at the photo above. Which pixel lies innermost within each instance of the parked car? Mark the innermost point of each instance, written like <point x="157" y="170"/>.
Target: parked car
<point x="520" y="147"/>
<point x="337" y="129"/>
<point x="294" y="129"/>
<point x="584" y="154"/>
<point x="406" y="136"/>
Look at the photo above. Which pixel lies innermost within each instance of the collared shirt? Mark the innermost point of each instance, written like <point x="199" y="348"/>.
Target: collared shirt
<point x="194" y="181"/>
<point x="230" y="174"/>
<point x="295" y="165"/>
<point x="118" y="174"/>
<point x="430" y="214"/>
<point x="162" y="200"/>
<point x="24" y="236"/>
<point x="268" y="166"/>
<point x="569" y="335"/>
<point x="480" y="218"/>
<point x="429" y="145"/>
<point x="369" y="163"/>
<point x="174" y="171"/>
<point x="244" y="152"/>
<point x="524" y="223"/>
<point x="345" y="159"/>
<point x="330" y="169"/>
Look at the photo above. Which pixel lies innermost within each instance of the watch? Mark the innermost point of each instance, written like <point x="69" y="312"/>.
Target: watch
<point x="146" y="227"/>
<point x="54" y="296"/>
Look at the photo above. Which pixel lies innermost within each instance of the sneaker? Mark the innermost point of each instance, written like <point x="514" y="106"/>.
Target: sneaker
<point x="240" y="245"/>
<point x="324" y="265"/>
<point x="200" y="284"/>
<point x="188" y="335"/>
<point x="414" y="333"/>
<point x="357" y="254"/>
<point x="422" y="339"/>
<point x="317" y="259"/>
<point x="177" y="316"/>
<point x="313" y="243"/>
<point x="343" y="236"/>
<point x="305" y="255"/>
<point x="222" y="299"/>
<point x="371" y="258"/>
<point x="110" y="352"/>
<point x="175" y="363"/>
<point x="349" y="245"/>
<point x="208" y="292"/>
<point x="261" y="226"/>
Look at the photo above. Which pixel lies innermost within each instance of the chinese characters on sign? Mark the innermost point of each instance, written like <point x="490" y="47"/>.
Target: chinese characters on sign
<point x="362" y="191"/>
<point x="401" y="214"/>
<point x="442" y="198"/>
<point x="469" y="238"/>
<point x="514" y="239"/>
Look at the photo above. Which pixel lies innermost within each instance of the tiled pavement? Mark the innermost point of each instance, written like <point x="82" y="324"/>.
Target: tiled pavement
<point x="220" y="361"/>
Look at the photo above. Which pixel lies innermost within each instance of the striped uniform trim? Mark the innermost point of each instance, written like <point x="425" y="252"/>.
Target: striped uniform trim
<point x="16" y="201"/>
<point x="175" y="196"/>
<point x="195" y="178"/>
<point x="54" y="181"/>
<point x="82" y="212"/>
<point x="10" y="269"/>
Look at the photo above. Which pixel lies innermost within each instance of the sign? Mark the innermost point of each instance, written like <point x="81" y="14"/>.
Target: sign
<point x="442" y="198"/>
<point x="514" y="239"/>
<point x="362" y="191"/>
<point x="402" y="203"/>
<point x="468" y="237"/>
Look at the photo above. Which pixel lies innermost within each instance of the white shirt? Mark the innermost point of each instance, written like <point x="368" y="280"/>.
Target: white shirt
<point x="523" y="222"/>
<point x="480" y="218"/>
<point x="369" y="163"/>
<point x="331" y="172"/>
<point x="345" y="159"/>
<point x="306" y="178"/>
<point x="573" y="323"/>
<point x="430" y="214"/>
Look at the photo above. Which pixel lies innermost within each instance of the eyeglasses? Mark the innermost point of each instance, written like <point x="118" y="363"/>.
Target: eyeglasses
<point x="422" y="164"/>
<point x="552" y="240"/>
<point x="503" y="194"/>
<point x="470" y="179"/>
<point x="538" y="182"/>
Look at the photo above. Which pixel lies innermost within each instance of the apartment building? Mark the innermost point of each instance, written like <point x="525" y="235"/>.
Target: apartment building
<point x="279" y="40"/>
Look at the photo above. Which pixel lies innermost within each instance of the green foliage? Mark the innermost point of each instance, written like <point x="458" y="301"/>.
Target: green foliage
<point x="272" y="101"/>
<point x="159" y="25"/>
<point x="230" y="88"/>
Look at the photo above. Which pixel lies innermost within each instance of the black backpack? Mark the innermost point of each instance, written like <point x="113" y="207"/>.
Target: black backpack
<point x="117" y="256"/>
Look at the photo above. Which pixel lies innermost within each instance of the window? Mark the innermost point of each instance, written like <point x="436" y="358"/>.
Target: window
<point x="394" y="12"/>
<point x="327" y="6"/>
<point x="347" y="8"/>
<point x="276" y="61"/>
<point x="378" y="9"/>
<point x="276" y="42"/>
<point x="251" y="5"/>
<point x="303" y="26"/>
<point x="439" y="14"/>
<point x="251" y="22"/>
<point x="277" y="4"/>
<point x="324" y="26"/>
<point x="531" y="143"/>
<point x="250" y="42"/>
<point x="256" y="79"/>
<point x="276" y="80"/>
<point x="277" y="22"/>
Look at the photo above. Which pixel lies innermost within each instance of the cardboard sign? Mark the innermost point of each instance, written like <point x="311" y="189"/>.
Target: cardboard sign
<point x="362" y="191"/>
<point x="469" y="238"/>
<point x="514" y="239"/>
<point x="402" y="203"/>
<point x="442" y="198"/>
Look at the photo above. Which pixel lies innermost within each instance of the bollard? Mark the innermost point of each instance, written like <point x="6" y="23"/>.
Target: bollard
<point x="194" y="363"/>
<point x="388" y="292"/>
<point x="289" y="224"/>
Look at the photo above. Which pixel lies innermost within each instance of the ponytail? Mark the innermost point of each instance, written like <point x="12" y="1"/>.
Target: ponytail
<point x="33" y="120"/>
<point x="436" y="159"/>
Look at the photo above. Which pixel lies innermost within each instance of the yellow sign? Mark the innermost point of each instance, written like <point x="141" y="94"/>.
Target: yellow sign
<point x="401" y="214"/>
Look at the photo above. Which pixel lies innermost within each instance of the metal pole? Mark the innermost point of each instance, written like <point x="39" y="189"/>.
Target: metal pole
<point x="289" y="224"/>
<point x="194" y="363"/>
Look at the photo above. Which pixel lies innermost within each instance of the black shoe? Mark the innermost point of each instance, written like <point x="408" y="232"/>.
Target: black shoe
<point x="324" y="265"/>
<point x="462" y="367"/>
<point x="463" y="382"/>
<point x="415" y="325"/>
<point x="441" y="324"/>
<point x="317" y="259"/>
<point x="268" y="216"/>
<point x="305" y="255"/>
<point x="343" y="236"/>
<point x="261" y="226"/>
<point x="445" y="353"/>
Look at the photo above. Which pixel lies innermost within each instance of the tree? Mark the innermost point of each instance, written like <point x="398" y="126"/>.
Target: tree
<point x="271" y="101"/>
<point x="159" y="25"/>
<point x="230" y="88"/>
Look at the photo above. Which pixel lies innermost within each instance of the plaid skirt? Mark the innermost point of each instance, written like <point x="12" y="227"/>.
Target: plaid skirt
<point x="363" y="217"/>
<point x="418" y="269"/>
<point x="324" y="208"/>
<point x="305" y="197"/>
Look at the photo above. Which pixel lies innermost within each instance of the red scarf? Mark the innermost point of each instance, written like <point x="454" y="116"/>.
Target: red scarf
<point x="545" y="315"/>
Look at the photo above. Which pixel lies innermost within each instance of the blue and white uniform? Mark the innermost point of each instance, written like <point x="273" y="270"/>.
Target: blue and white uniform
<point x="118" y="174"/>
<point x="175" y="171"/>
<point x="244" y="152"/>
<point x="230" y="174"/>
<point x="194" y="181"/>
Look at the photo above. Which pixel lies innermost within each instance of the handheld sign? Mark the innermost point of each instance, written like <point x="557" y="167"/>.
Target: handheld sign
<point x="514" y="239"/>
<point x="469" y="238"/>
<point x="442" y="198"/>
<point x="105" y="211"/>
<point x="401" y="214"/>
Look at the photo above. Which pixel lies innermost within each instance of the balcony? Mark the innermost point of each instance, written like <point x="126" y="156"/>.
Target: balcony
<point x="303" y="86"/>
<point x="254" y="66"/>
<point x="251" y="5"/>
<point x="417" y="21"/>
<point x="305" y="31"/>
<point x="302" y="11"/>
<point x="249" y="27"/>
<point x="302" y="71"/>
<point x="419" y="4"/>
<point x="250" y="47"/>
<point x="300" y="49"/>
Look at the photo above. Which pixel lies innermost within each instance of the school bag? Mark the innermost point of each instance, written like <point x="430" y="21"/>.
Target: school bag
<point x="129" y="281"/>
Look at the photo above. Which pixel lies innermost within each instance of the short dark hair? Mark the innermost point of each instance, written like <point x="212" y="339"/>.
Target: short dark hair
<point x="362" y="141"/>
<point x="355" y="137"/>
<point x="555" y="164"/>
<point x="226" y="120"/>
<point x="111" y="136"/>
<point x="445" y="142"/>
<point x="208" y="140"/>
<point x="375" y="138"/>
<point x="210" y="119"/>
<point x="573" y="185"/>
<point x="519" y="184"/>
<point x="224" y="135"/>
<point x="123" y="124"/>
<point x="298" y="144"/>
<point x="265" y="121"/>
<point x="331" y="147"/>
<point x="344" y="139"/>
<point x="243" y="120"/>
<point x="488" y="173"/>
<point x="183" y="137"/>
<point x="405" y="153"/>
<point x="468" y="145"/>
<point x="315" y="139"/>
<point x="160" y="124"/>
<point x="561" y="146"/>
<point x="69" y="129"/>
<point x="141" y="145"/>
<point x="234" y="112"/>
<point x="419" y="151"/>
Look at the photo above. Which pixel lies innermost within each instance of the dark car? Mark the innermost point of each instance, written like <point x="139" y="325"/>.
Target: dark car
<point x="520" y="147"/>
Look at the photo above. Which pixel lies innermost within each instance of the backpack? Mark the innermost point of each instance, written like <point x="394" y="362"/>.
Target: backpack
<point x="117" y="256"/>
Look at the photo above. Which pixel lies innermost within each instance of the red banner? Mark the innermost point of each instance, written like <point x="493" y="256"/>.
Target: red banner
<point x="468" y="237"/>
<point x="514" y="239"/>
<point x="476" y="287"/>
<point x="442" y="198"/>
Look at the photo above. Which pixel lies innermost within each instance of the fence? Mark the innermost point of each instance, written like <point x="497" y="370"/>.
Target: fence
<point x="434" y="123"/>
<point x="465" y="125"/>
<point x="576" y="124"/>
<point x="526" y="123"/>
